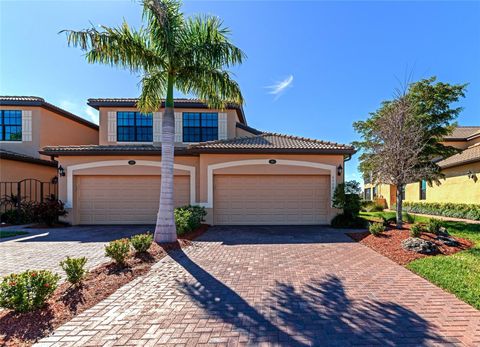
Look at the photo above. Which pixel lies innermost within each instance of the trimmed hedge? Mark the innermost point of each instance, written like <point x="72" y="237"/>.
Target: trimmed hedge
<point x="466" y="211"/>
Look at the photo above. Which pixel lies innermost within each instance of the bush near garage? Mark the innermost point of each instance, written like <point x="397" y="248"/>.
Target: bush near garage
<point x="142" y="242"/>
<point x="118" y="250"/>
<point x="74" y="269"/>
<point x="188" y="218"/>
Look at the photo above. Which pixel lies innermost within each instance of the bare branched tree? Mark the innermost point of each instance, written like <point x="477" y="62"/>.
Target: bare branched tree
<point x="396" y="157"/>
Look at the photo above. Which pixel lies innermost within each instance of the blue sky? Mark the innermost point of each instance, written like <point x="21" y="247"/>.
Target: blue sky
<point x="313" y="67"/>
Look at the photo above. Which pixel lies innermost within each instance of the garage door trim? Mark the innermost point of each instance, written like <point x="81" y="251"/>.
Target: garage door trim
<point x="212" y="167"/>
<point x="124" y="162"/>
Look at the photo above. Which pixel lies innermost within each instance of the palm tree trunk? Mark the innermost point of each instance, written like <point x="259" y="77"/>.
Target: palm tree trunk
<point x="399" y="206"/>
<point x="165" y="230"/>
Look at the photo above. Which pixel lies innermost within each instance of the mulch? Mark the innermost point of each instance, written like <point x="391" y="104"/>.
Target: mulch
<point x="24" y="329"/>
<point x="389" y="244"/>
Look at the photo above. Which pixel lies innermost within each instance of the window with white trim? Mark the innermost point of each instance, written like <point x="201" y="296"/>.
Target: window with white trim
<point x="200" y="127"/>
<point x="10" y="125"/>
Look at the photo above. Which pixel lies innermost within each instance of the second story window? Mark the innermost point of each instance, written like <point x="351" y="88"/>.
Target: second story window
<point x="199" y="127"/>
<point x="134" y="127"/>
<point x="423" y="190"/>
<point x="10" y="125"/>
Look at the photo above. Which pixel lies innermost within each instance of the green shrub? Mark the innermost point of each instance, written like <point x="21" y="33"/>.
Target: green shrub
<point x="28" y="290"/>
<point x="24" y="214"/>
<point x="434" y="225"/>
<point x="376" y="208"/>
<point x="376" y="228"/>
<point x="347" y="197"/>
<point x="118" y="250"/>
<point x="182" y="220"/>
<point x="409" y="218"/>
<point x="49" y="211"/>
<point x="141" y="243"/>
<point x="74" y="268"/>
<point x="343" y="220"/>
<point x="188" y="218"/>
<point x="416" y="230"/>
<point x="467" y="211"/>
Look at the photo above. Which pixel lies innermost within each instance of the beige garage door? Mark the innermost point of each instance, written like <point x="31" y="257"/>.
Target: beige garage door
<point x="124" y="199"/>
<point x="270" y="199"/>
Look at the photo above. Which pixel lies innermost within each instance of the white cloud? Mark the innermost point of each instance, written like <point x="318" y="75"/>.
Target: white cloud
<point x="279" y="88"/>
<point x="82" y="111"/>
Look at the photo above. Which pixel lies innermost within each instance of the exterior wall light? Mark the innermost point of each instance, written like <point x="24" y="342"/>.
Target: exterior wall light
<point x="272" y="161"/>
<point x="132" y="162"/>
<point x="61" y="171"/>
<point x="339" y="170"/>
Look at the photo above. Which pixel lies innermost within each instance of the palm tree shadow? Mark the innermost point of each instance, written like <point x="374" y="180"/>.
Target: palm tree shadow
<point x="320" y="313"/>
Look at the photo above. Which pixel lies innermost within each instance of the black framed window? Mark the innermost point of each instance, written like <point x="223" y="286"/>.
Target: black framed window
<point x="423" y="190"/>
<point x="10" y="125"/>
<point x="134" y="127"/>
<point x="375" y="191"/>
<point x="199" y="127"/>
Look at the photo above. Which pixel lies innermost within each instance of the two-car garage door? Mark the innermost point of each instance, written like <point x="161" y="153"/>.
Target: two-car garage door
<point x="270" y="199"/>
<point x="238" y="199"/>
<point x="124" y="199"/>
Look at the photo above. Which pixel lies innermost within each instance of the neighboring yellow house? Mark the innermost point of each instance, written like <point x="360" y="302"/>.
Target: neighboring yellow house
<point x="462" y="175"/>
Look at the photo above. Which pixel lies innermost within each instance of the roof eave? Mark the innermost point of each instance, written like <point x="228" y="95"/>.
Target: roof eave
<point x="459" y="163"/>
<point x="24" y="159"/>
<point x="57" y="153"/>
<point x="272" y="151"/>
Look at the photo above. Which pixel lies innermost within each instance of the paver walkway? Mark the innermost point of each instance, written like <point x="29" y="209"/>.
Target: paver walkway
<point x="288" y="286"/>
<point x="45" y="248"/>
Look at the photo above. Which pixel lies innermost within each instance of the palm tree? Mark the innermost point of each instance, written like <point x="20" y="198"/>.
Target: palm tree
<point x="171" y="51"/>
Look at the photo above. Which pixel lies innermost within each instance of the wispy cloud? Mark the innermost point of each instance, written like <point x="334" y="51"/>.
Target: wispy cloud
<point x="83" y="111"/>
<point x="279" y="88"/>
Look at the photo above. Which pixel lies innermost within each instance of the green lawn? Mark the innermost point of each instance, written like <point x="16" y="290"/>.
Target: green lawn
<point x="5" y="234"/>
<point x="458" y="273"/>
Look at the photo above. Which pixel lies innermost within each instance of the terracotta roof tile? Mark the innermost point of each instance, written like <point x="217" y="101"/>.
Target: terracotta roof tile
<point x="463" y="132"/>
<point x="469" y="155"/>
<point x="4" y="154"/>
<point x="272" y="141"/>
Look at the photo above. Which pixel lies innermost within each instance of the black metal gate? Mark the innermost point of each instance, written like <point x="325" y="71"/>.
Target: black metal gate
<point x="12" y="194"/>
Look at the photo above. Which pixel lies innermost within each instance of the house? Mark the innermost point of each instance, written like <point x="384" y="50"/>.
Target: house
<point x="462" y="173"/>
<point x="239" y="174"/>
<point x="27" y="124"/>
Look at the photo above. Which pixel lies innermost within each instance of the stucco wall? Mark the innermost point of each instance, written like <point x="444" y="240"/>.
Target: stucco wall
<point x="232" y="119"/>
<point x="456" y="187"/>
<point x="14" y="171"/>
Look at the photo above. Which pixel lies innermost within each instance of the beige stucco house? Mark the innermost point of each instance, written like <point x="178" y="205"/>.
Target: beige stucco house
<point x="239" y="174"/>
<point x="29" y="123"/>
<point x="461" y="183"/>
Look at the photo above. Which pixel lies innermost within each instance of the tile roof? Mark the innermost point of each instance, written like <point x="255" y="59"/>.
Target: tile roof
<point x="179" y="102"/>
<point x="463" y="133"/>
<point x="4" y="154"/>
<point x="105" y="150"/>
<point x="37" y="101"/>
<point x="469" y="155"/>
<point x="263" y="143"/>
<point x="273" y="142"/>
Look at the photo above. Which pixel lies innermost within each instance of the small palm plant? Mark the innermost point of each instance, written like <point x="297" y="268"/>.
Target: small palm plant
<point x="171" y="51"/>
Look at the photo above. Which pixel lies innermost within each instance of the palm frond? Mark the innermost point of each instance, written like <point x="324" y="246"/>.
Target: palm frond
<point x="154" y="89"/>
<point x="213" y="86"/>
<point x="121" y="46"/>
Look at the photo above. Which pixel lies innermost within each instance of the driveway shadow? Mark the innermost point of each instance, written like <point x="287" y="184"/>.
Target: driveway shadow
<point x="318" y="314"/>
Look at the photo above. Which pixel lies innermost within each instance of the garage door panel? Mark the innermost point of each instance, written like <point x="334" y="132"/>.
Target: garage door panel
<point x="270" y="199"/>
<point x="124" y="199"/>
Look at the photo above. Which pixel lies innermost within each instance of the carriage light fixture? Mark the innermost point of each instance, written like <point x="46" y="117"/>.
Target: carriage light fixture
<point x="61" y="171"/>
<point x="339" y="170"/>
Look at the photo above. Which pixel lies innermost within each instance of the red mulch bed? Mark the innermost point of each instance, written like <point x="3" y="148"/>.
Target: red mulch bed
<point x="389" y="244"/>
<point x="24" y="329"/>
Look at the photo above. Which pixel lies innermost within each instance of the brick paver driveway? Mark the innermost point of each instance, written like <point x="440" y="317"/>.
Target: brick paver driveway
<point x="289" y="286"/>
<point x="45" y="248"/>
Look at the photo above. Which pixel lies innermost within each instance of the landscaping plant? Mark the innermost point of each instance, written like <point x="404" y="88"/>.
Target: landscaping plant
<point x="28" y="290"/>
<point x="193" y="55"/>
<point x="142" y="242"/>
<point x="434" y="225"/>
<point x="449" y="209"/>
<point x="347" y="198"/>
<point x="182" y="220"/>
<point x="74" y="269"/>
<point x="118" y="250"/>
<point x="49" y="211"/>
<point x="416" y="230"/>
<point x="376" y="229"/>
